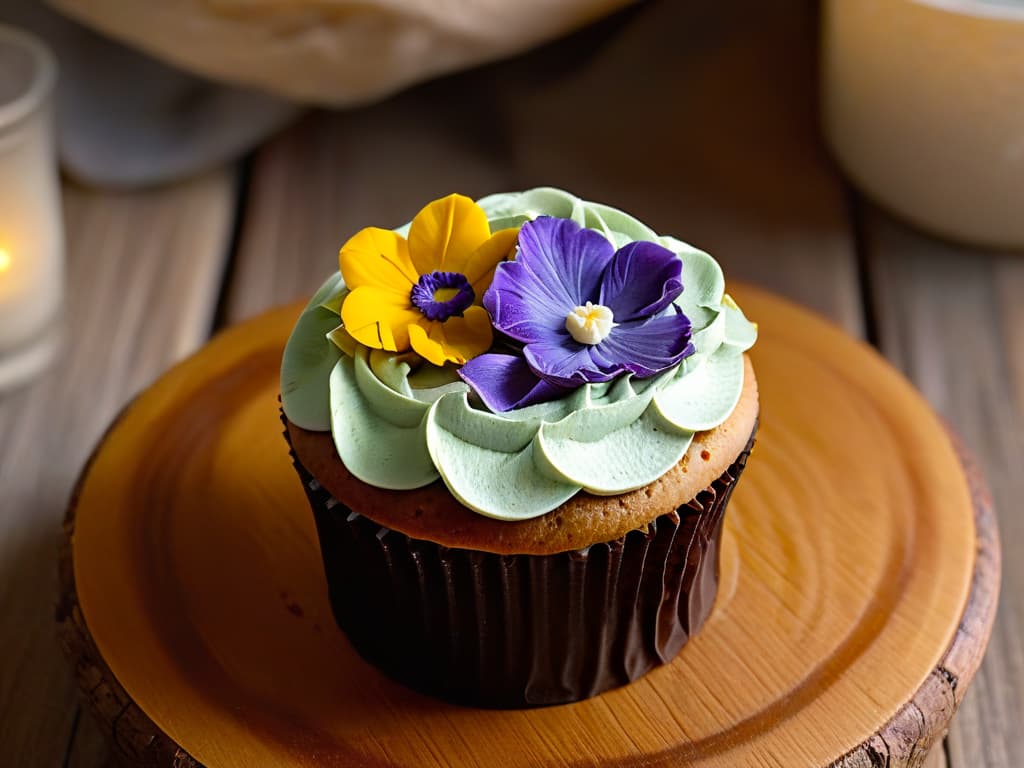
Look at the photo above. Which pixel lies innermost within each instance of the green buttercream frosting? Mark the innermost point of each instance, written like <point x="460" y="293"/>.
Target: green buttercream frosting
<point x="400" y="423"/>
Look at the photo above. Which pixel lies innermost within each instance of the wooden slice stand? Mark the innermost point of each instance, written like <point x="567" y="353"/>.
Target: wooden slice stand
<point x="859" y="579"/>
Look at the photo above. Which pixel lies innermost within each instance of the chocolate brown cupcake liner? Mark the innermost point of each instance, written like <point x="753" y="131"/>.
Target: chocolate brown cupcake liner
<point x="513" y="631"/>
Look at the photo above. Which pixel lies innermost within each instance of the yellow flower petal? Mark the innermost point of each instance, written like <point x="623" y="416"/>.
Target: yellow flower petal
<point x="446" y="233"/>
<point x="380" y="258"/>
<point x="423" y="345"/>
<point x="379" y="318"/>
<point x="456" y="340"/>
<point x="479" y="269"/>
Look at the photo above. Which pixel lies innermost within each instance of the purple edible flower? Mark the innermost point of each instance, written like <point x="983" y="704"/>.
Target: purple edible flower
<point x="584" y="313"/>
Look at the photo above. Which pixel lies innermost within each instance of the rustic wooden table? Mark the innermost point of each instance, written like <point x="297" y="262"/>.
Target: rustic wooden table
<point x="702" y="120"/>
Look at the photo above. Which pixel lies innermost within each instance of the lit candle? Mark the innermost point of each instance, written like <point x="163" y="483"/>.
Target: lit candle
<point x="923" y="105"/>
<point x="31" y="228"/>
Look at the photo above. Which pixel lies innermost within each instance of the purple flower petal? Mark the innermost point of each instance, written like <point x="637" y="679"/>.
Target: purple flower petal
<point x="564" y="255"/>
<point x="569" y="363"/>
<point x="559" y="266"/>
<point x="642" y="279"/>
<point x="520" y="311"/>
<point x="647" y="347"/>
<point x="505" y="382"/>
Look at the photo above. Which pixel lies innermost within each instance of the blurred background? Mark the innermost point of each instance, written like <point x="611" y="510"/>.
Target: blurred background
<point x="864" y="158"/>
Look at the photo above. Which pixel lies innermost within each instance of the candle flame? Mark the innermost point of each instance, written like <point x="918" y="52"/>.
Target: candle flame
<point x="5" y="260"/>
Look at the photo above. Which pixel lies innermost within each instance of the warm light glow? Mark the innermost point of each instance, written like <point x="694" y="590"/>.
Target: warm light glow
<point x="5" y="260"/>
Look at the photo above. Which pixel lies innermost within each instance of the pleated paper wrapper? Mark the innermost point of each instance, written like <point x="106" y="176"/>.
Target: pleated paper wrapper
<point x="512" y="631"/>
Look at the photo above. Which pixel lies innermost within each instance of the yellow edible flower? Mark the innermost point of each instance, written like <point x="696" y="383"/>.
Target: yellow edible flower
<point x="425" y="293"/>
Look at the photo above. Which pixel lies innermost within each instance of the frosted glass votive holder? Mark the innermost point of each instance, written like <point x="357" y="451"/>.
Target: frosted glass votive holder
<point x="31" y="224"/>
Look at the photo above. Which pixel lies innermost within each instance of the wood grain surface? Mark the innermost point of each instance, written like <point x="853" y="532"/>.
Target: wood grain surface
<point x="952" y="318"/>
<point x="198" y="579"/>
<point x="168" y="246"/>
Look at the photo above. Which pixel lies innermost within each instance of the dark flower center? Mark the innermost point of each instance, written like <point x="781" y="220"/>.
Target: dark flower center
<point x="440" y="295"/>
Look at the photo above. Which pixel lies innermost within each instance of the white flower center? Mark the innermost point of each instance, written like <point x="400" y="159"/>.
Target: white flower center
<point x="590" y="324"/>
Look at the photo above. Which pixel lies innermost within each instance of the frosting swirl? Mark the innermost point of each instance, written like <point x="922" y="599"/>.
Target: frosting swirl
<point x="401" y="424"/>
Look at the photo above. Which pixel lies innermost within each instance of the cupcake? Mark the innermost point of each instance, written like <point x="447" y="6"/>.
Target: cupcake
<point x="518" y="422"/>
